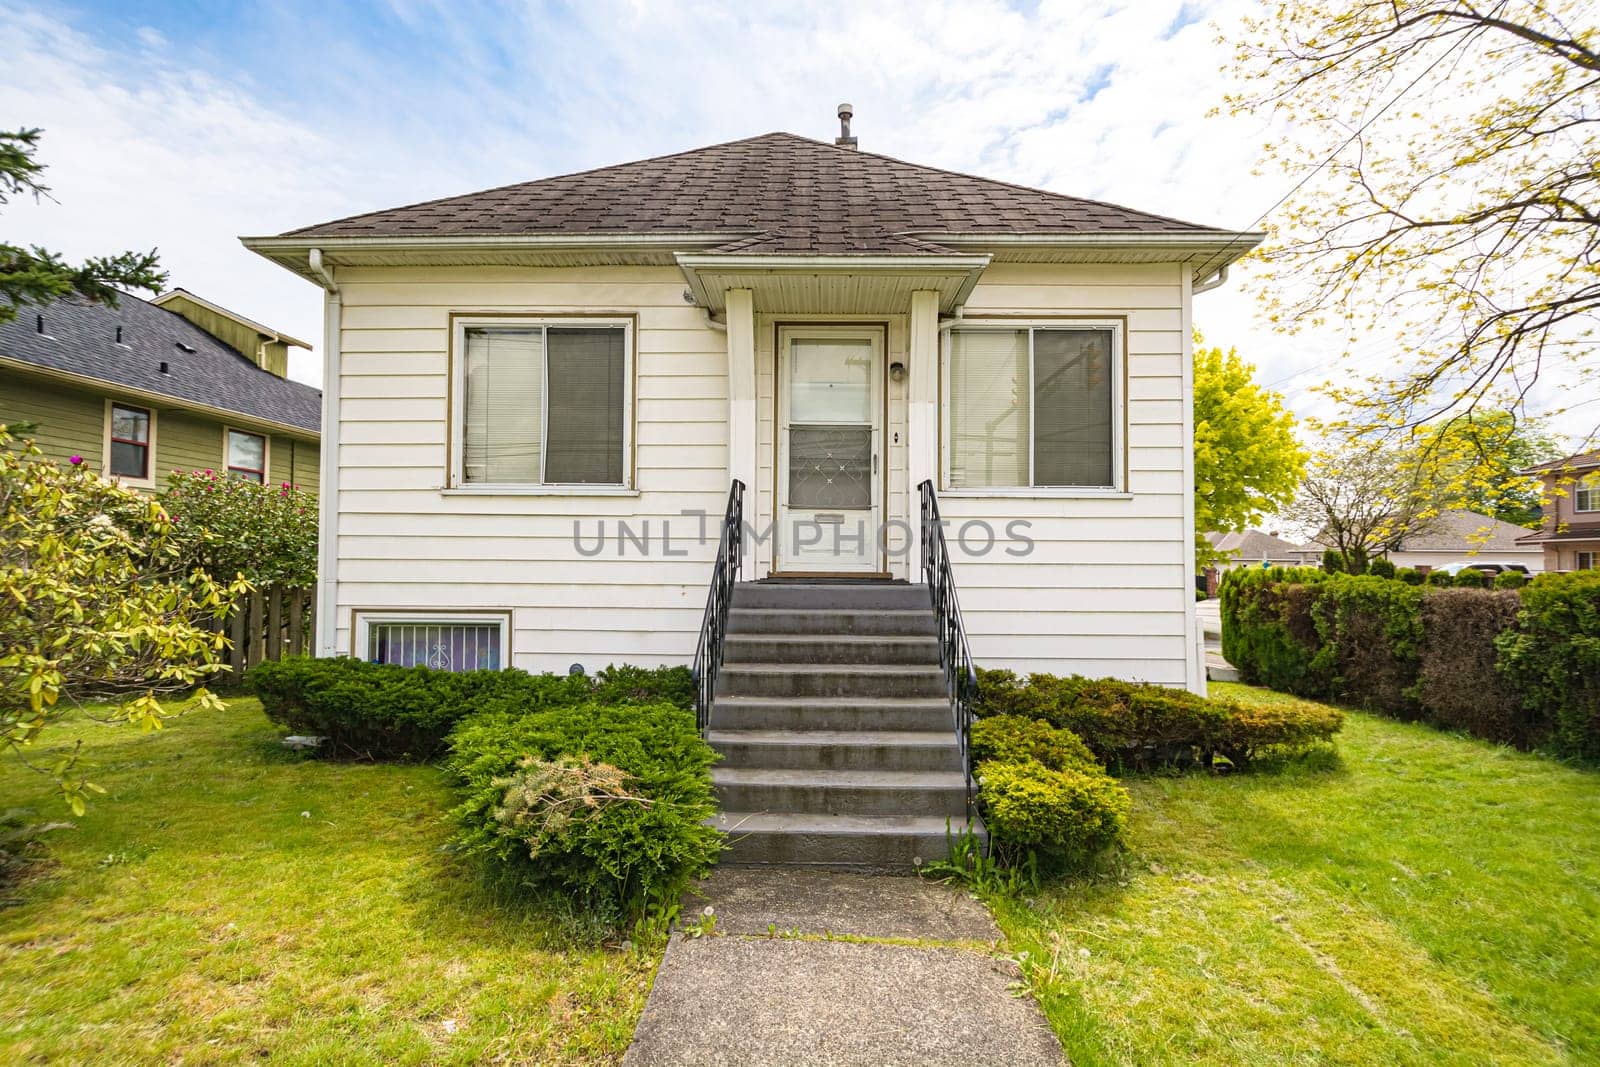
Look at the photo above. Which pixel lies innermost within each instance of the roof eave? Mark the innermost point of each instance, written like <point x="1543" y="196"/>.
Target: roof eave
<point x="1208" y="251"/>
<point x="180" y="293"/>
<point x="954" y="276"/>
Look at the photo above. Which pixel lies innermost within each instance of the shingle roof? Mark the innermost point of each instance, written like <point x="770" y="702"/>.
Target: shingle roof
<point x="80" y="337"/>
<point x="791" y="194"/>
<point x="1575" y="531"/>
<point x="1581" y="461"/>
<point x="1257" y="545"/>
<point x="1465" y="531"/>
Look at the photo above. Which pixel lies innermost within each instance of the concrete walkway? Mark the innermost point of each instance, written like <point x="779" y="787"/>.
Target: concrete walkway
<point x="914" y="980"/>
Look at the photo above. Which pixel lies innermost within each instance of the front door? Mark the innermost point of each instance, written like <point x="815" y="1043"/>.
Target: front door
<point x="830" y="429"/>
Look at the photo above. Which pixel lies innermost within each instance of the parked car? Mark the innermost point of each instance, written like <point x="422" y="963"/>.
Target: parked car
<point x="1487" y="566"/>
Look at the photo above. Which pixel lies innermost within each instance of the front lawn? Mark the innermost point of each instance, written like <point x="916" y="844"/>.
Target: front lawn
<point x="231" y="901"/>
<point x="1432" y="899"/>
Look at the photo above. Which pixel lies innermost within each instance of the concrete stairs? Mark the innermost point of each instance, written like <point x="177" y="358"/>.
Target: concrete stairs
<point x="831" y="717"/>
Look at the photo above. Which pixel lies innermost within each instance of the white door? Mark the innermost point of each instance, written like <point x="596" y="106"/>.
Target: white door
<point x="830" y="429"/>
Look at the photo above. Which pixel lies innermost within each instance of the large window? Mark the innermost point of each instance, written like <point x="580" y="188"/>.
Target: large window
<point x="129" y="453"/>
<point x="247" y="456"/>
<point x="1032" y="407"/>
<point x="544" y="403"/>
<point x="1587" y="497"/>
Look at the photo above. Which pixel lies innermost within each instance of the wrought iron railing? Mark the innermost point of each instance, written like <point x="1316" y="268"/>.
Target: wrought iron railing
<point x="960" y="676"/>
<point x="714" y="624"/>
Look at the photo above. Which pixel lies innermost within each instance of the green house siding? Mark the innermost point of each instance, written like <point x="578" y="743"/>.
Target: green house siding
<point x="68" y="422"/>
<point x="71" y="422"/>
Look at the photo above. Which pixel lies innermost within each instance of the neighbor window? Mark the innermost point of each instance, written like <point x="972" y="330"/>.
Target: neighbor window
<point x="544" y="404"/>
<point x="1587" y="561"/>
<point x="1032" y="407"/>
<point x="130" y="442"/>
<point x="1587" y="498"/>
<point x="446" y="643"/>
<point x="247" y="456"/>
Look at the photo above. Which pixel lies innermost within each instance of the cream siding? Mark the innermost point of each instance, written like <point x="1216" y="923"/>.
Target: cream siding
<point x="1106" y="589"/>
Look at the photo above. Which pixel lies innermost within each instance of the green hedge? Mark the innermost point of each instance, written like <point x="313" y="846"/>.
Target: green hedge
<point x="379" y="711"/>
<point x="1062" y="816"/>
<point x="1133" y="727"/>
<point x="607" y="803"/>
<point x="1519" y="665"/>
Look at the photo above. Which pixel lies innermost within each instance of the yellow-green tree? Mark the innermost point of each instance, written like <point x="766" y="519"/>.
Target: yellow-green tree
<point x="1446" y="156"/>
<point x="1247" y="462"/>
<point x="94" y="607"/>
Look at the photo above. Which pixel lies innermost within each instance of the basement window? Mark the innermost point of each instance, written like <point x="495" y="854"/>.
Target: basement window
<point x="451" y="642"/>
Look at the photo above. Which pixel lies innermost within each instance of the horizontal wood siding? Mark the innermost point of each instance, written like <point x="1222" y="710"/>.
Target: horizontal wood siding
<point x="404" y="543"/>
<point x="1105" y="589"/>
<point x="67" y="422"/>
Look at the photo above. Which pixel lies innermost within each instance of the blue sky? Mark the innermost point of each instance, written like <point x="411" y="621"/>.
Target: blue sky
<point x="185" y="125"/>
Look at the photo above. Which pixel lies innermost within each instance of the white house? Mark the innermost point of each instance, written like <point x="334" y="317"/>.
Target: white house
<point x="536" y="399"/>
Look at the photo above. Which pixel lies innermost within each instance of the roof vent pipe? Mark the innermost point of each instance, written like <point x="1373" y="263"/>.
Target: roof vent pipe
<point x="844" y="140"/>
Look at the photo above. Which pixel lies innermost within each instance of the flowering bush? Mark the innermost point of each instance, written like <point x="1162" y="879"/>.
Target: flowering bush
<point x="95" y="604"/>
<point x="228" y="527"/>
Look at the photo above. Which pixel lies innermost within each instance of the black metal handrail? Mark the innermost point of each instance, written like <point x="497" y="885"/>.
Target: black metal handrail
<point x="960" y="676"/>
<point x="714" y="624"/>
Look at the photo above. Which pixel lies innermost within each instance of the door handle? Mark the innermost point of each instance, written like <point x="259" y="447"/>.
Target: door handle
<point x="874" y="464"/>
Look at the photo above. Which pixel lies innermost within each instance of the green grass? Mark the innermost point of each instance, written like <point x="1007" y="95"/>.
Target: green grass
<point x="230" y="901"/>
<point x="1428" y="899"/>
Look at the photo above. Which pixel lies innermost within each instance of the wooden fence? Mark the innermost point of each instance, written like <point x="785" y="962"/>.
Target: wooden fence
<point x="271" y="623"/>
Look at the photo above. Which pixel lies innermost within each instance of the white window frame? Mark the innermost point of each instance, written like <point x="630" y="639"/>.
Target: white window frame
<point x="150" y="468"/>
<point x="266" y="452"/>
<point x="363" y="618"/>
<point x="1581" y="564"/>
<point x="1119" y="410"/>
<point x="457" y="482"/>
<point x="1592" y="490"/>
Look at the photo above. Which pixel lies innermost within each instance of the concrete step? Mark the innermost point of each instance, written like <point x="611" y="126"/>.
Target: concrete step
<point x="832" y="596"/>
<point x="842" y="750"/>
<point x="873" y="843"/>
<point x="829" y="649"/>
<point x="914" y="622"/>
<point x="829" y="680"/>
<point x="840" y="792"/>
<point x="921" y="714"/>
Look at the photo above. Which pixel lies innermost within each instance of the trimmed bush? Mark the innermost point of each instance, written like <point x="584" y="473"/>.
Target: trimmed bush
<point x="1065" y="817"/>
<point x="1510" y="580"/>
<point x="1457" y="680"/>
<point x="380" y="711"/>
<point x="1472" y="578"/>
<point x="1332" y="561"/>
<point x="1135" y="726"/>
<point x="1370" y="631"/>
<point x="1018" y="739"/>
<point x="1440" y="579"/>
<point x="1381" y="568"/>
<point x="1410" y="575"/>
<point x="1268" y="632"/>
<point x="606" y="803"/>
<point x="1552" y="659"/>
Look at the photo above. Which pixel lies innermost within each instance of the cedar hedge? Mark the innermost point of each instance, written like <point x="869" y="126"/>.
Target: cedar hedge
<point x="1517" y="664"/>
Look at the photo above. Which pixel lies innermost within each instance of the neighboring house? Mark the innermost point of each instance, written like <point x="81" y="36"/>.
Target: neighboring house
<point x="1255" y="548"/>
<point x="1570" y="539"/>
<point x="141" y="389"/>
<point x="537" y="398"/>
<point x="1454" y="536"/>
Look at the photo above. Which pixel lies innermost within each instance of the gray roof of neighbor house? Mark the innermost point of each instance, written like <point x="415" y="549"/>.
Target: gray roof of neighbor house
<point x="79" y="338"/>
<point x="1465" y="531"/>
<point x="1256" y="545"/>
<point x="1580" y="461"/>
<point x="777" y="194"/>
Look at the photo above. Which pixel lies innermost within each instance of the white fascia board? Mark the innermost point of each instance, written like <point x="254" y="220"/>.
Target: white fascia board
<point x="695" y="267"/>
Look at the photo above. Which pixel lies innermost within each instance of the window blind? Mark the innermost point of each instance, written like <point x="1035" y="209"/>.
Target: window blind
<point x="504" y="405"/>
<point x="988" y="408"/>
<point x="1072" y="407"/>
<point x="584" y="428"/>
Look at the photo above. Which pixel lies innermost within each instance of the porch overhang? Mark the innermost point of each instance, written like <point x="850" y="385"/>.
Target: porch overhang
<point x="834" y="284"/>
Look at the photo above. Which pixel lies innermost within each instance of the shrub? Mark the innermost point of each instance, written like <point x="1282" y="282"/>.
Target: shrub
<point x="1332" y="561"/>
<point x="638" y="772"/>
<point x="1510" y="580"/>
<point x="1370" y="631"/>
<point x="1130" y="725"/>
<point x="1457" y="681"/>
<point x="1065" y="817"/>
<point x="381" y="711"/>
<point x="1381" y="568"/>
<point x="228" y="527"/>
<point x="1552" y="659"/>
<point x="1410" y="575"/>
<point x="1440" y="579"/>
<point x="1267" y="629"/>
<point x="1472" y="578"/>
<point x="1017" y="739"/>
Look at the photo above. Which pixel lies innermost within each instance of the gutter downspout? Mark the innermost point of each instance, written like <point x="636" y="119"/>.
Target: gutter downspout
<point x="328" y="490"/>
<point x="1212" y="282"/>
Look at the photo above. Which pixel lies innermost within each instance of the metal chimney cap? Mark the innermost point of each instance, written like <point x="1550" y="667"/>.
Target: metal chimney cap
<point x="844" y="140"/>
